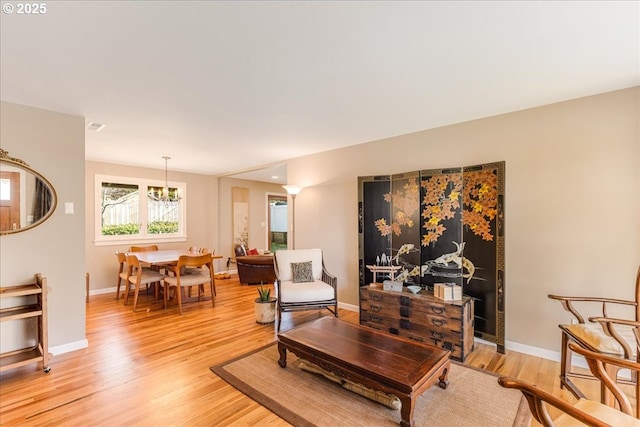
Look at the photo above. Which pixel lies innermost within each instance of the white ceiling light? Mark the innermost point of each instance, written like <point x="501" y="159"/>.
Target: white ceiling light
<point x="95" y="126"/>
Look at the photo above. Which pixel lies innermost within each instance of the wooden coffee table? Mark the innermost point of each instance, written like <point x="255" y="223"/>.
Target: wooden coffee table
<point x="380" y="361"/>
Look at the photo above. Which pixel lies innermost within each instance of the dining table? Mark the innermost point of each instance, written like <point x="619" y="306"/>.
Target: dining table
<point x="166" y="256"/>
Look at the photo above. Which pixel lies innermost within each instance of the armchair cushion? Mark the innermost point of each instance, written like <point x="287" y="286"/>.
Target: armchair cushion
<point x="302" y="271"/>
<point x="594" y="335"/>
<point x="306" y="292"/>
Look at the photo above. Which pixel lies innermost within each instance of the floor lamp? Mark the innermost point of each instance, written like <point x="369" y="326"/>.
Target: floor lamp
<point x="293" y="191"/>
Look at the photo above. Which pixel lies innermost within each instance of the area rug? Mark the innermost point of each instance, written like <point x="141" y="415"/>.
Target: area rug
<point x="473" y="398"/>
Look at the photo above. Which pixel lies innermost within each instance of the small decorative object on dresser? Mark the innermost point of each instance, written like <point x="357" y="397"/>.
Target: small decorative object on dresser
<point x="265" y="306"/>
<point x="447" y="291"/>
<point x="392" y="285"/>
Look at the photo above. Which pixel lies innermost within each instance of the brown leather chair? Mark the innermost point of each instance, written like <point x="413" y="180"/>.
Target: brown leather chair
<point x="254" y="269"/>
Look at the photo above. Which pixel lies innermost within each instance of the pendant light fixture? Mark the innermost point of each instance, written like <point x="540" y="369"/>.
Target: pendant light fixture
<point x="165" y="191"/>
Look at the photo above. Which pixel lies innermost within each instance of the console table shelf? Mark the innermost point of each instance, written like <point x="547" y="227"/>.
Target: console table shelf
<point x="34" y="309"/>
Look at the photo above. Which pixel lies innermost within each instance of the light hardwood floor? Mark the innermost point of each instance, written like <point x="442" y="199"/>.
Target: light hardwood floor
<point x="152" y="368"/>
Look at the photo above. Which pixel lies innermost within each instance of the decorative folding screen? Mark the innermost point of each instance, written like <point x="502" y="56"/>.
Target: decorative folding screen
<point x="441" y="225"/>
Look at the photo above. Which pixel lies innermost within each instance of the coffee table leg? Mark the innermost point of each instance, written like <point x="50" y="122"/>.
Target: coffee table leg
<point x="406" y="412"/>
<point x="283" y="355"/>
<point x="443" y="382"/>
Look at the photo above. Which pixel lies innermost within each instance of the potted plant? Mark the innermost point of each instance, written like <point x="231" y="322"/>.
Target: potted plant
<point x="265" y="305"/>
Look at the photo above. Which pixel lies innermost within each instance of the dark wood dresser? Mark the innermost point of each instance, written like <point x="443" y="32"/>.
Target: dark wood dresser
<point x="420" y="317"/>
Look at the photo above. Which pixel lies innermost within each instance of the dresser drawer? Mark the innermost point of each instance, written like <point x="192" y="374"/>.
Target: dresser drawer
<point x="455" y="347"/>
<point x="447" y="340"/>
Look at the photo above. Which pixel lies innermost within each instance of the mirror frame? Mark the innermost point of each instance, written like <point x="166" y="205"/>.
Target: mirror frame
<point x="21" y="164"/>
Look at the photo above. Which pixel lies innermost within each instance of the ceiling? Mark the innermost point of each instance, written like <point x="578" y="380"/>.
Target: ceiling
<point x="228" y="87"/>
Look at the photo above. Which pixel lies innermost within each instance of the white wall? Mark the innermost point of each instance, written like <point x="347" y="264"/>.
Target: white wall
<point x="53" y="144"/>
<point x="572" y="201"/>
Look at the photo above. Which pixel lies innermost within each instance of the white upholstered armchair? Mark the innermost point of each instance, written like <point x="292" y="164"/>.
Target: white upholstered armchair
<point x="303" y="283"/>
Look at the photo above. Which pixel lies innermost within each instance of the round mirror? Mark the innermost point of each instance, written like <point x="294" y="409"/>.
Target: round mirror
<point x="27" y="199"/>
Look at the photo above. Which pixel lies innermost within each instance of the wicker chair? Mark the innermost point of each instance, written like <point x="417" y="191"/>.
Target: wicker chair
<point x="303" y="283"/>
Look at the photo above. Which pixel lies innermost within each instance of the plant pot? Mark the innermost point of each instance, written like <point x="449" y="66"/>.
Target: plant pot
<point x="265" y="311"/>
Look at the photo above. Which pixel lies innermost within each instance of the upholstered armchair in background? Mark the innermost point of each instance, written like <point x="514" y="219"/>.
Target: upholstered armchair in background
<point x="303" y="282"/>
<point x="254" y="269"/>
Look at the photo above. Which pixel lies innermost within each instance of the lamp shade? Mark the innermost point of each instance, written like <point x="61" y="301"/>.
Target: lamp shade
<point x="292" y="189"/>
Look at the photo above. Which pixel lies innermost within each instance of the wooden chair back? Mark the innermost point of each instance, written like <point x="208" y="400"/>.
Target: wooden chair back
<point x="182" y="278"/>
<point x="197" y="250"/>
<point x="205" y="259"/>
<point x="143" y="248"/>
<point x="600" y="365"/>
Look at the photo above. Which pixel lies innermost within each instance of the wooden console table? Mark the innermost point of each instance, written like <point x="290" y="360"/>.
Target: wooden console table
<point x="420" y="317"/>
<point x="376" y="360"/>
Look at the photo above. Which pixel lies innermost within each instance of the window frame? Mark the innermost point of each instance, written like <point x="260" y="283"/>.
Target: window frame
<point x="143" y="236"/>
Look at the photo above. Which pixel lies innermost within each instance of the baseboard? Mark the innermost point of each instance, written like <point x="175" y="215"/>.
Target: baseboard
<point x="348" y="307"/>
<point x="102" y="291"/>
<point x="542" y="353"/>
<point x="66" y="348"/>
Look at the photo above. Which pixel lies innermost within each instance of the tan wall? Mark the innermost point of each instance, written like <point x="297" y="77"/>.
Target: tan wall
<point x="202" y="217"/>
<point x="257" y="212"/>
<point x="208" y="218"/>
<point x="572" y="205"/>
<point x="53" y="144"/>
<point x="572" y="201"/>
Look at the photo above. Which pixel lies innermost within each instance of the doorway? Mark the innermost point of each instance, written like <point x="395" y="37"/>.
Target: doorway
<point x="9" y="201"/>
<point x="277" y="222"/>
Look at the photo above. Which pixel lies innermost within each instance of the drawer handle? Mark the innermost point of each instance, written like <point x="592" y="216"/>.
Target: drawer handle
<point x="437" y="335"/>
<point x="438" y="322"/>
<point x="375" y="308"/>
<point x="437" y="310"/>
<point x="404" y="312"/>
<point x="376" y="297"/>
<point x="377" y="319"/>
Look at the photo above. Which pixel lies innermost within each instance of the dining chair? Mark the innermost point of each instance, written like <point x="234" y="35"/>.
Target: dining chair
<point x="122" y="272"/>
<point x="197" y="270"/>
<point x="180" y="280"/>
<point x="584" y="411"/>
<point x="137" y="276"/>
<point x="615" y="338"/>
